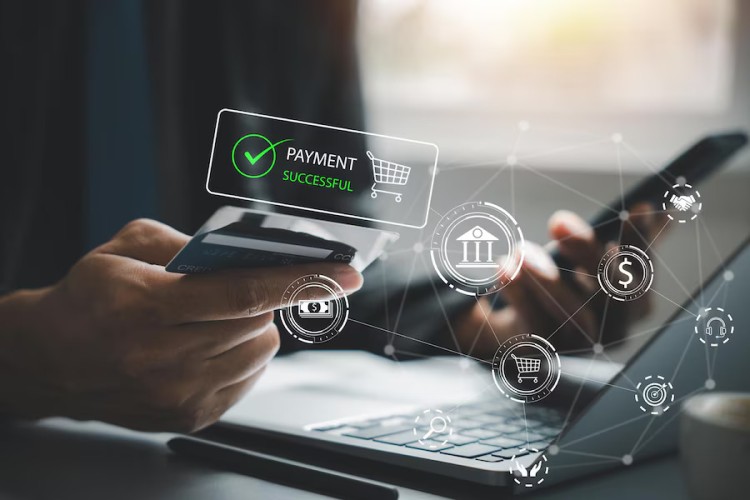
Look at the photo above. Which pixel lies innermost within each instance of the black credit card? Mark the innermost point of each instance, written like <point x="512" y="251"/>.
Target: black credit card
<point x="246" y="244"/>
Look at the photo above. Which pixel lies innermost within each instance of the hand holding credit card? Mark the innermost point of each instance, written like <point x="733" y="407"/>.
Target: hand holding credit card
<point x="236" y="238"/>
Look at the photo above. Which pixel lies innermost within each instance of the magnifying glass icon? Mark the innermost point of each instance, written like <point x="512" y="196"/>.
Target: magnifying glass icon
<point x="438" y="425"/>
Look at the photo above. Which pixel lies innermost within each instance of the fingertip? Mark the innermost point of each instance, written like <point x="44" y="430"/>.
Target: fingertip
<point x="565" y="224"/>
<point x="642" y="208"/>
<point x="539" y="262"/>
<point x="642" y="218"/>
<point x="347" y="277"/>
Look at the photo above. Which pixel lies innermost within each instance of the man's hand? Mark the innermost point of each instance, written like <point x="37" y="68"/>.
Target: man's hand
<point x="121" y="340"/>
<point x="540" y="301"/>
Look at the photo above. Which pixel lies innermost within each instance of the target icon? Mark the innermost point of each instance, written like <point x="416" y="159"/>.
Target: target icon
<point x="654" y="395"/>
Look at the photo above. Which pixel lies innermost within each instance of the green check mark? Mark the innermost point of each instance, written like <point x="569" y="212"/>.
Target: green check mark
<point x="252" y="160"/>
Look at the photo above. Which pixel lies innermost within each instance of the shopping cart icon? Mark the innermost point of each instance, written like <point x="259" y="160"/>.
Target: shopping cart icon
<point x="389" y="174"/>
<point x="527" y="365"/>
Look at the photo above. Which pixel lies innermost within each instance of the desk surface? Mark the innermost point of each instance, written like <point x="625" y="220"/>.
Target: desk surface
<point x="68" y="460"/>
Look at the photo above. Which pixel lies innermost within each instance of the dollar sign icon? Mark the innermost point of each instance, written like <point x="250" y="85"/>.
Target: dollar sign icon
<point x="315" y="307"/>
<point x="629" y="280"/>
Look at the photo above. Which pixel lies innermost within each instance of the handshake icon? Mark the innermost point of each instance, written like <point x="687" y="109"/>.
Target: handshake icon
<point x="682" y="203"/>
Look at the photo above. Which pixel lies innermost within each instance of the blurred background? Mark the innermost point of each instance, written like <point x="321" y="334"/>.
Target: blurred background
<point x="549" y="82"/>
<point x="523" y="98"/>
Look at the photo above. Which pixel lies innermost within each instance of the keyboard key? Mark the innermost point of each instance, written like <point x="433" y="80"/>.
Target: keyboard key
<point x="400" y="439"/>
<point x="394" y="420"/>
<point x="504" y="428"/>
<point x="362" y="424"/>
<point x="548" y="431"/>
<point x="480" y="433"/>
<point x="539" y="445"/>
<point x="471" y="450"/>
<point x="490" y="458"/>
<point x="328" y="427"/>
<point x="479" y="406"/>
<point x="377" y="431"/>
<point x="486" y="418"/>
<point x="459" y="439"/>
<point x="466" y="423"/>
<point x="526" y="436"/>
<point x="343" y="429"/>
<point x="528" y="422"/>
<point x="503" y="442"/>
<point x="510" y="453"/>
<point x="430" y="446"/>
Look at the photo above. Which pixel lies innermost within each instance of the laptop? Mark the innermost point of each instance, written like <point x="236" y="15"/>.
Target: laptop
<point x="361" y="405"/>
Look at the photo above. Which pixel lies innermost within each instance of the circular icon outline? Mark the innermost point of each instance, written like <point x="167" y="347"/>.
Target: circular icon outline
<point x="655" y="393"/>
<point x="254" y="176"/>
<point x="425" y="439"/>
<point x="726" y="328"/>
<point x="498" y="217"/>
<point x="516" y="472"/>
<point x="604" y="271"/>
<point x="334" y="292"/>
<point x="669" y="195"/>
<point x="505" y="353"/>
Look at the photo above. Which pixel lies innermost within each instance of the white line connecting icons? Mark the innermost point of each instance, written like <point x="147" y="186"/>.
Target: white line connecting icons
<point x="477" y="249"/>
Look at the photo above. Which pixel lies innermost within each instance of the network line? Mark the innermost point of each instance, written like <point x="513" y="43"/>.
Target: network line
<point x="598" y="346"/>
<point x="436" y="346"/>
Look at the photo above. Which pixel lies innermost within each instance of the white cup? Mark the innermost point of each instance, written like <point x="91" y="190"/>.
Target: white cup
<point x="715" y="446"/>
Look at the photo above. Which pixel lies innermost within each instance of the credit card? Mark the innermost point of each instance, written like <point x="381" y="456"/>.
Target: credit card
<point x="246" y="239"/>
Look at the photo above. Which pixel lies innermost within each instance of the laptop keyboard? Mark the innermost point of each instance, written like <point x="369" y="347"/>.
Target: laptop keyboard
<point x="485" y="431"/>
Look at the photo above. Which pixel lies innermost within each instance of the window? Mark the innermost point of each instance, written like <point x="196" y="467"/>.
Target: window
<point x="574" y="58"/>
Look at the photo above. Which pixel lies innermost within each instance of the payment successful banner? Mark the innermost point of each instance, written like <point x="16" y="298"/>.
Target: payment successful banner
<point x="321" y="168"/>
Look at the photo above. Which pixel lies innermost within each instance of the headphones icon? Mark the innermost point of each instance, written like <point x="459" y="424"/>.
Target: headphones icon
<point x="722" y="328"/>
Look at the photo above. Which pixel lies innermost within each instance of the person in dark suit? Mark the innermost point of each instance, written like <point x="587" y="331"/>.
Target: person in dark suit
<point x="107" y="113"/>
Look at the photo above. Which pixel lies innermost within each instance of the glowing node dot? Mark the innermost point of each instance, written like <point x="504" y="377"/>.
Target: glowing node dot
<point x="598" y="348"/>
<point x="627" y="459"/>
<point x="617" y="138"/>
<point x="681" y="181"/>
<point x="389" y="350"/>
<point x="728" y="275"/>
<point x="464" y="363"/>
<point x="553" y="449"/>
<point x="624" y="215"/>
<point x="710" y="384"/>
<point x="418" y="247"/>
<point x="511" y="160"/>
<point x="523" y="125"/>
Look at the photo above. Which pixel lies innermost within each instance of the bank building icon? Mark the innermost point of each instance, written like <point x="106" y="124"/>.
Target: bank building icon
<point x="477" y="248"/>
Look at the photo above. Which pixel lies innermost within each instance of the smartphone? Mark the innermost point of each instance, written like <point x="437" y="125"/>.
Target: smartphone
<point x="696" y="164"/>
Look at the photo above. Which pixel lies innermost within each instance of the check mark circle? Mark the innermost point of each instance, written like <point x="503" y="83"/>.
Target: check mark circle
<point x="271" y="149"/>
